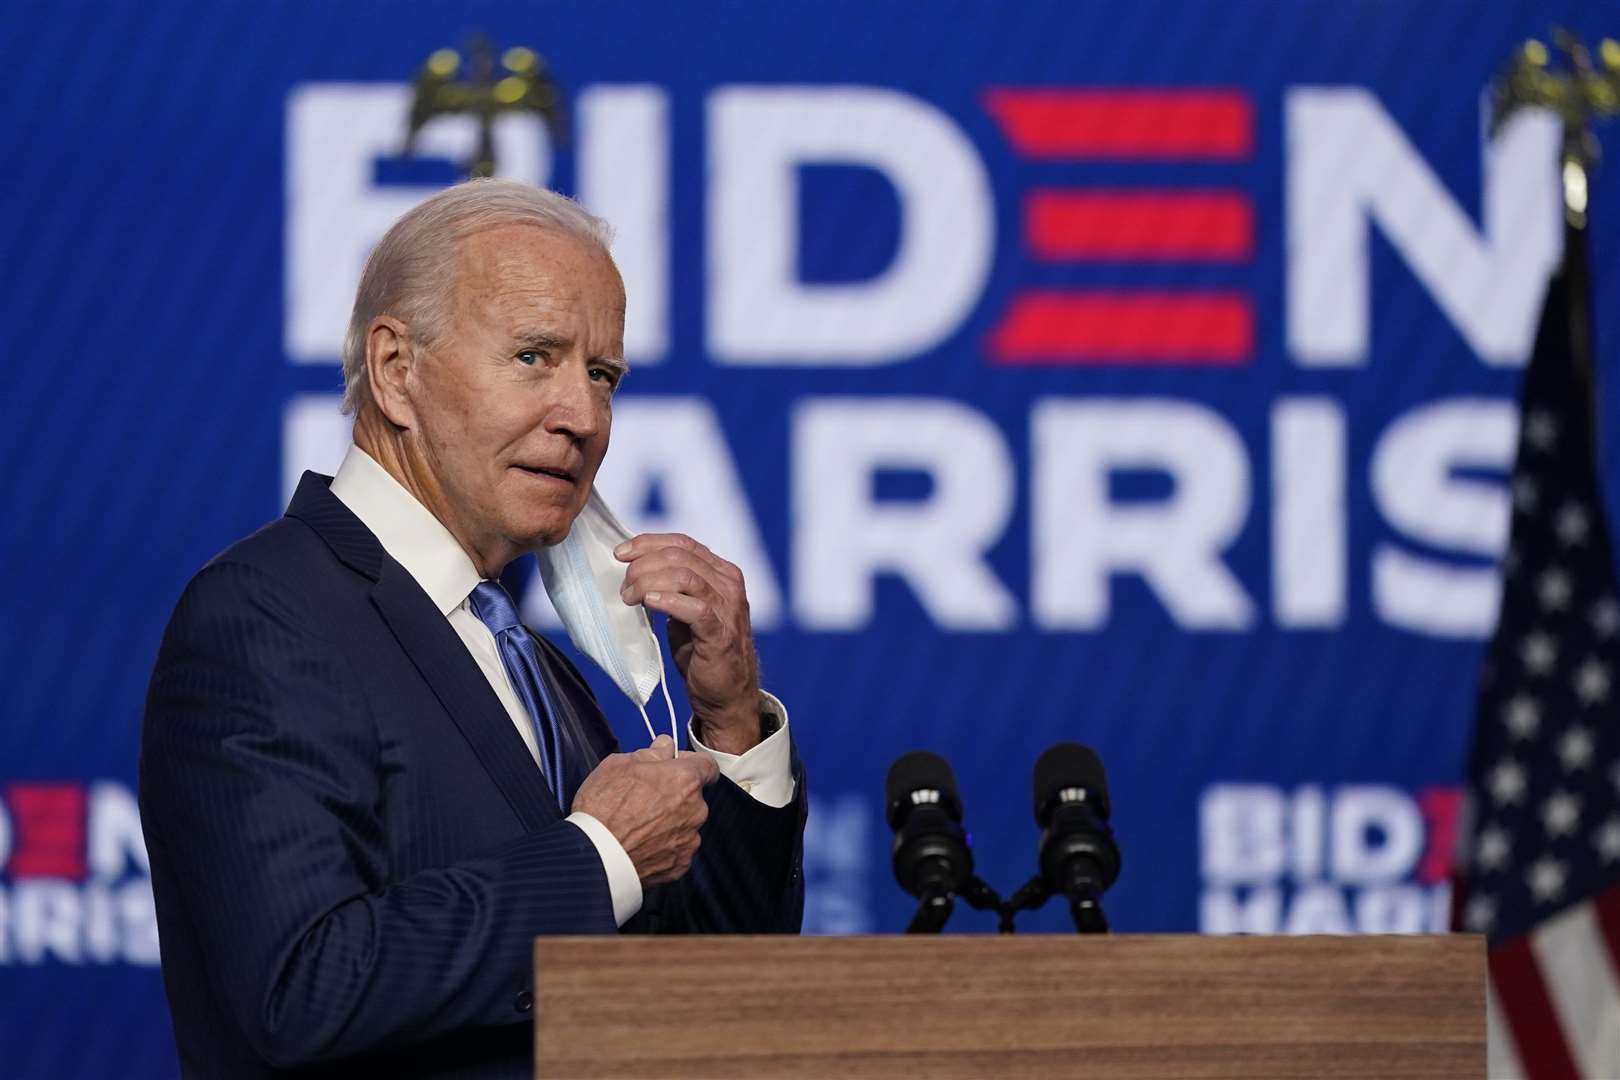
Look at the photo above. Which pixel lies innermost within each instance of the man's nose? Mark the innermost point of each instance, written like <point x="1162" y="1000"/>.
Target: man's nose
<point x="573" y="409"/>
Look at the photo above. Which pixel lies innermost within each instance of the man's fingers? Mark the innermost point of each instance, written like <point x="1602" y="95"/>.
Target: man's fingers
<point x="676" y="560"/>
<point x="660" y="588"/>
<point x="680" y="578"/>
<point x="645" y="542"/>
<point x="689" y="610"/>
<point x="679" y="571"/>
<point x="662" y="749"/>
<point x="639" y="547"/>
<point x="700" y="767"/>
<point x="708" y="772"/>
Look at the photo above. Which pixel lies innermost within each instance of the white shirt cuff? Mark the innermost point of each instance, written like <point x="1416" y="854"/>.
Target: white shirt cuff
<point x="624" y="884"/>
<point x="765" y="771"/>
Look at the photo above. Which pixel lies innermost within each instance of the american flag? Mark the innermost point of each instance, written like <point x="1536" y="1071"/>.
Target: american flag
<point x="1540" y="874"/>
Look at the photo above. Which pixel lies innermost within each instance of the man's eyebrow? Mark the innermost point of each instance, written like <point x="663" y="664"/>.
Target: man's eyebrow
<point x="535" y="338"/>
<point x="543" y="339"/>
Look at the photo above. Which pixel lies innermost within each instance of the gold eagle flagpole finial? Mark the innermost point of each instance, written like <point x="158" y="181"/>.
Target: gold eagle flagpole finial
<point x="450" y="84"/>
<point x="1578" y="91"/>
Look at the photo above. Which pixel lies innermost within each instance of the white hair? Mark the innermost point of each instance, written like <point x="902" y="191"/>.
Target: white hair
<point x="412" y="270"/>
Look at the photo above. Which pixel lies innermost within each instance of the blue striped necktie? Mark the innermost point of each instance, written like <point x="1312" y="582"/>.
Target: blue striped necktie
<point x="494" y="607"/>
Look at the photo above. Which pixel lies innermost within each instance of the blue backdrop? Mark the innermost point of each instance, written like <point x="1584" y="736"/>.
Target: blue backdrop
<point x="1139" y="374"/>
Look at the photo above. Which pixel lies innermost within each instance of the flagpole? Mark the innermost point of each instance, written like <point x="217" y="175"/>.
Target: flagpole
<point x="1579" y="93"/>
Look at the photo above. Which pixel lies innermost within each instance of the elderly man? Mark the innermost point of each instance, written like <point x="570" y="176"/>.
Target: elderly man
<point x="365" y="786"/>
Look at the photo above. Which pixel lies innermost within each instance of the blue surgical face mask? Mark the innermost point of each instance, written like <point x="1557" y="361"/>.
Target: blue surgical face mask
<point x="583" y="578"/>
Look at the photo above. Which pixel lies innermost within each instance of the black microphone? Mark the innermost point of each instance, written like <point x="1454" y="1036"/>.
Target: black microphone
<point x="1079" y="857"/>
<point x="932" y="860"/>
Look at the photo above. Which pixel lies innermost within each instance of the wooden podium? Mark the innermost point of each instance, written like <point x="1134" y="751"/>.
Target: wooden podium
<point x="1021" y="1005"/>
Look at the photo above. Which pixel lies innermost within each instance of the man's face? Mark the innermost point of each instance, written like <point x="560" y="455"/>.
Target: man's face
<point x="513" y="407"/>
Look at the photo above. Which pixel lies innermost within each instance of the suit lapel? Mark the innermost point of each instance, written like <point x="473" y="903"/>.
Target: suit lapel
<point x="433" y="646"/>
<point x="439" y="654"/>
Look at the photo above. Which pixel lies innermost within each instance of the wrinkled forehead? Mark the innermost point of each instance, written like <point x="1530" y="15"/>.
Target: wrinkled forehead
<point x="536" y="260"/>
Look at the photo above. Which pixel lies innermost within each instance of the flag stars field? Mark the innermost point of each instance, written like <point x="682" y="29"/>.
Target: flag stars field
<point x="1553" y="589"/>
<point x="1493" y="850"/>
<point x="1606" y="617"/>
<point x="1539" y="653"/>
<point x="1522" y="717"/>
<point x="1572" y="525"/>
<point x="1506" y="782"/>
<point x="1575" y="749"/>
<point x="1525" y="495"/>
<point x="1592" y="683"/>
<point x="1546" y="879"/>
<point x="1607" y="840"/>
<point x="1560" y="814"/>
<point x="1540" y="430"/>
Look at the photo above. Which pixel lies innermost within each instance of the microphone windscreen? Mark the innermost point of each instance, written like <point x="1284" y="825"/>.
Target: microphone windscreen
<point x="1069" y="765"/>
<point x="916" y="771"/>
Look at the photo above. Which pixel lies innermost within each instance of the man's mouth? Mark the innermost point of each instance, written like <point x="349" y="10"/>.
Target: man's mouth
<point x="546" y="470"/>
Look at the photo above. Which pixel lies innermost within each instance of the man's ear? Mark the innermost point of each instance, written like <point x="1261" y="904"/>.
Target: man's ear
<point x="389" y="358"/>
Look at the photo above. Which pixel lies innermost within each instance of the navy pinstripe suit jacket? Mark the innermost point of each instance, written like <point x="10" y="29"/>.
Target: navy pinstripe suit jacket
<point x="351" y="847"/>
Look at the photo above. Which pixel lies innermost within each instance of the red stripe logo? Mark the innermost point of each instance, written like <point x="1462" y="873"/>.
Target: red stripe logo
<point x="1129" y="125"/>
<point x="1152" y="226"/>
<point x="1082" y="328"/>
<point x="1079" y="327"/>
<point x="48" y="821"/>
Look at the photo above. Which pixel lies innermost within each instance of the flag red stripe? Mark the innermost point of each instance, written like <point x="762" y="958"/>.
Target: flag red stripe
<point x="1536" y="1031"/>
<point x="1607" y="909"/>
<point x="1213" y="226"/>
<point x="1124" y="124"/>
<point x="1148" y="328"/>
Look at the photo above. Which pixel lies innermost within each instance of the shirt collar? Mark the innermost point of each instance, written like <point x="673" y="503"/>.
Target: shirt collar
<point x="407" y="530"/>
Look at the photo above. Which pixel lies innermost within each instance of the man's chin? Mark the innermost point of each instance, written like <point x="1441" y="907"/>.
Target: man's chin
<point x="552" y="530"/>
<point x="539" y="522"/>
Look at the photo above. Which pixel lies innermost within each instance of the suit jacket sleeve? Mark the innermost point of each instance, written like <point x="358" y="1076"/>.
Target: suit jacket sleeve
<point x="260" y="771"/>
<point x="748" y="875"/>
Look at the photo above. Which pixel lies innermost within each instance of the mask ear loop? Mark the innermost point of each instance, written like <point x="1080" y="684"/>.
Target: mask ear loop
<point x="663" y="685"/>
<point x="642" y="709"/>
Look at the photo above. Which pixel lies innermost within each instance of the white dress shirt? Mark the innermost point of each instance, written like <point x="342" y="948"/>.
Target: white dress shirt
<point x="421" y="544"/>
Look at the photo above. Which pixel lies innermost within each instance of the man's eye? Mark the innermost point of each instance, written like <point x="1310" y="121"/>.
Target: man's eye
<point x="530" y="357"/>
<point x="607" y="375"/>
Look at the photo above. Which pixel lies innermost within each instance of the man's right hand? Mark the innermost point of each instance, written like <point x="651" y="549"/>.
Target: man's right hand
<point x="652" y="803"/>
